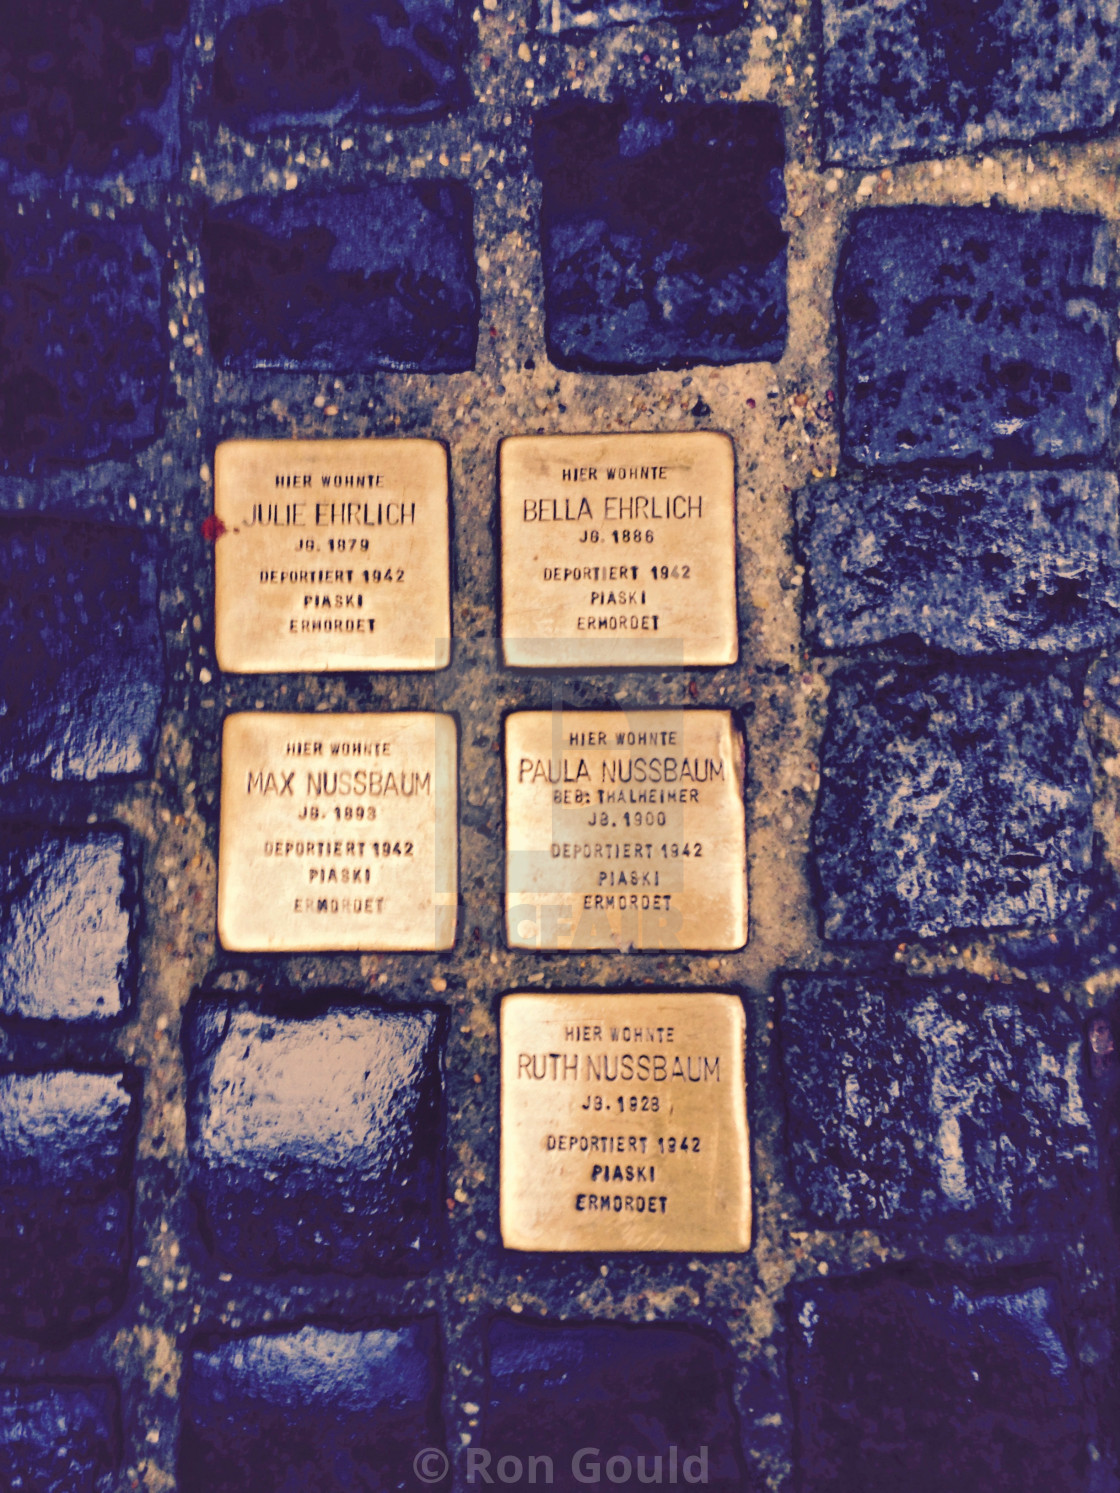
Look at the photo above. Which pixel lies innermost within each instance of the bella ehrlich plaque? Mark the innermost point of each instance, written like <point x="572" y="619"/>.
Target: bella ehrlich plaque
<point x="625" y="830"/>
<point x="338" y="832"/>
<point x="618" y="550"/>
<point x="331" y="555"/>
<point x="624" y="1123"/>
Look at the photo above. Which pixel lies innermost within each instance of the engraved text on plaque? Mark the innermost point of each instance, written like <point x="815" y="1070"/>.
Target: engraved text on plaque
<point x="625" y="830"/>
<point x="338" y="832"/>
<point x="624" y="1123"/>
<point x="331" y="555"/>
<point x="618" y="551"/>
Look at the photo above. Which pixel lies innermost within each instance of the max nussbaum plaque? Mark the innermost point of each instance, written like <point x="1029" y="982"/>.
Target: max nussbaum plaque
<point x="618" y="550"/>
<point x="625" y="830"/>
<point x="331" y="555"/>
<point x="624" y="1123"/>
<point x="338" y="832"/>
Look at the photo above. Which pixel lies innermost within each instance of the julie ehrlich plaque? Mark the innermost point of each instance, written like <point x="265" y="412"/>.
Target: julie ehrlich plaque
<point x="618" y="550"/>
<point x="331" y="555"/>
<point x="625" y="830"/>
<point x="338" y="832"/>
<point x="624" y="1123"/>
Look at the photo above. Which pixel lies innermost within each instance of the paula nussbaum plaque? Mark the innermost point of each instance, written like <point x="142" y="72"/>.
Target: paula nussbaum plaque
<point x="624" y="1123"/>
<point x="331" y="555"/>
<point x="338" y="832"/>
<point x="618" y="550"/>
<point x="625" y="830"/>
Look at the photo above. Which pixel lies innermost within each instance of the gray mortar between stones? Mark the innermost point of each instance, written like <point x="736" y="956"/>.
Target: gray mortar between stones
<point x="782" y="419"/>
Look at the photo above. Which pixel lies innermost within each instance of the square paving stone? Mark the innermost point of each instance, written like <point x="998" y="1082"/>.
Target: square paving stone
<point x="993" y="562"/>
<point x="912" y="1100"/>
<point x="82" y="675"/>
<point x="924" y="1385"/>
<point x="585" y="1394"/>
<point x="952" y="799"/>
<point x="971" y="333"/>
<point x="68" y="908"/>
<point x="92" y="88"/>
<point x="378" y="279"/>
<point x="315" y="1140"/>
<point x="313" y="1411"/>
<point x="59" y="1438"/>
<point x="83" y="341"/>
<point x="67" y="1142"/>
<point x="661" y="234"/>
<point x="939" y="77"/>
<point x="299" y="62"/>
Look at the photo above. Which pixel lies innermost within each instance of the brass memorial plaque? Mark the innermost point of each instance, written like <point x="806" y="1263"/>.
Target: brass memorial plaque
<point x="338" y="832"/>
<point x="618" y="550"/>
<point x="331" y="555"/>
<point x="625" y="830"/>
<point x="624" y="1123"/>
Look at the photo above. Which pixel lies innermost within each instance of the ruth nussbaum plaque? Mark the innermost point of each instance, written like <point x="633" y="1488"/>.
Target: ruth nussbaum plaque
<point x="624" y="1123"/>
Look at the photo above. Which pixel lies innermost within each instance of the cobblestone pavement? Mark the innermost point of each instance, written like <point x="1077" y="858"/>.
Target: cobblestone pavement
<point x="874" y="243"/>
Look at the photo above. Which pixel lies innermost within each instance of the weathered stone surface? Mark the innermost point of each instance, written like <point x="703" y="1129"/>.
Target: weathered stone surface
<point x="58" y="1438"/>
<point x="92" y="90"/>
<point x="83" y="354"/>
<point x="67" y="909"/>
<point x="951" y="799"/>
<point x="632" y="1392"/>
<point x="939" y="77"/>
<point x="316" y="1411"/>
<point x="974" y="332"/>
<point x="995" y="562"/>
<point x="914" y="1099"/>
<point x="352" y="282"/>
<point x="82" y="673"/>
<point x="315" y="1140"/>
<point x="661" y="234"/>
<point x="925" y="1384"/>
<point x="298" y="61"/>
<point x="571" y="18"/>
<point x="66" y="1151"/>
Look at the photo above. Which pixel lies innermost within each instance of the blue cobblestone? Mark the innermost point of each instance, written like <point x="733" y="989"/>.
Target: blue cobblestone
<point x="58" y="1438"/>
<point x="316" y="1411"/>
<point x="995" y="562"/>
<point x="952" y="799"/>
<point x="661" y="234"/>
<point x="383" y="278"/>
<point x="91" y="91"/>
<point x="939" y="77"/>
<point x="649" y="1392"/>
<point x="82" y="676"/>
<point x="315" y="1141"/>
<point x="971" y="333"/>
<point x="298" y="61"/>
<point x="67" y="911"/>
<point x="914" y="1100"/>
<point x="66" y="1154"/>
<point x="926" y="1384"/>
<point x="83" y="343"/>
